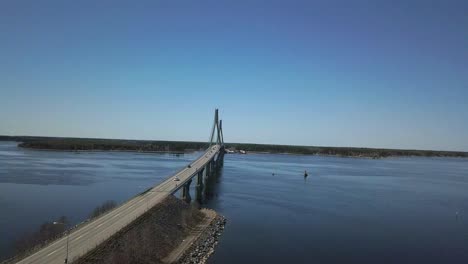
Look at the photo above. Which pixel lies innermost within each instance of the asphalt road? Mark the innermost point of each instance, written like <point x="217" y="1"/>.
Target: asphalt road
<point x="87" y="236"/>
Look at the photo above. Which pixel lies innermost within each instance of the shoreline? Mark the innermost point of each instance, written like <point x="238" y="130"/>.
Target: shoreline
<point x="344" y="156"/>
<point x="204" y="245"/>
<point x="78" y="151"/>
<point x="77" y="145"/>
<point x="110" y="150"/>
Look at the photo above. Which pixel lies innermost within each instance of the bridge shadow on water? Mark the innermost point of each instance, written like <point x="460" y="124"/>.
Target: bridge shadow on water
<point x="211" y="186"/>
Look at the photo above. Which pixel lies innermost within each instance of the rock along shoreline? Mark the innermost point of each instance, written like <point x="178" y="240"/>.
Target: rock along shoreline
<point x="204" y="246"/>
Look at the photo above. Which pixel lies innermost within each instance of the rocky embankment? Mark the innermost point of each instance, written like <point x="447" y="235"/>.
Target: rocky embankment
<point x="166" y="228"/>
<point x="204" y="246"/>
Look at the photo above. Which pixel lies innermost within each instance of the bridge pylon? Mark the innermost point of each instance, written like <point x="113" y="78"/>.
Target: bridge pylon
<point x="217" y="126"/>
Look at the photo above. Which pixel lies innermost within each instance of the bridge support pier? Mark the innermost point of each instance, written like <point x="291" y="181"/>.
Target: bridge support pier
<point x="212" y="167"/>
<point x="186" y="191"/>
<point x="221" y="157"/>
<point x="200" y="186"/>
<point x="208" y="169"/>
<point x="219" y="160"/>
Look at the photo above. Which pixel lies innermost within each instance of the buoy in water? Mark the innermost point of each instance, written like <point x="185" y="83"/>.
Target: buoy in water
<point x="305" y="174"/>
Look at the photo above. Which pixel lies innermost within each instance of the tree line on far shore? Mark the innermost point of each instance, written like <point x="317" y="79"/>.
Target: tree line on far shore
<point x="114" y="145"/>
<point x="77" y="144"/>
<point x="344" y="151"/>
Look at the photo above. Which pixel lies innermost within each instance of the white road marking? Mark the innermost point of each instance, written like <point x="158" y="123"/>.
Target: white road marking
<point x="99" y="225"/>
<point x="80" y="236"/>
<point x="116" y="215"/>
<point x="54" y="251"/>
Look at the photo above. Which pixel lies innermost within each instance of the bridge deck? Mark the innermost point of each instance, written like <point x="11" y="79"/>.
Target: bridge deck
<point x="87" y="236"/>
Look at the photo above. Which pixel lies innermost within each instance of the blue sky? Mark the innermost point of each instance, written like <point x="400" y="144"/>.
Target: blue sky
<point x="336" y="73"/>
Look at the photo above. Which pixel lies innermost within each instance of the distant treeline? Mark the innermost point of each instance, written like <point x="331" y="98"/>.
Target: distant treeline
<point x="76" y="144"/>
<point x="180" y="146"/>
<point x="343" y="151"/>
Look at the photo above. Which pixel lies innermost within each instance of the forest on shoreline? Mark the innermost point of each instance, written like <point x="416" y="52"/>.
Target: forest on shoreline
<point x="88" y="144"/>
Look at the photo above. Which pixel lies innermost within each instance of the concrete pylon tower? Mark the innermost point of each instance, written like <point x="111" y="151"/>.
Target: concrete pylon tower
<point x="221" y="132"/>
<point x="216" y="126"/>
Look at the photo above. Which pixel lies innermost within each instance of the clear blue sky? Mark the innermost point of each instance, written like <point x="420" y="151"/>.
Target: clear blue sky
<point x="337" y="73"/>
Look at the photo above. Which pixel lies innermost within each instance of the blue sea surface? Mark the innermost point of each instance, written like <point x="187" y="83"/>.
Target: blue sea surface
<point x="348" y="210"/>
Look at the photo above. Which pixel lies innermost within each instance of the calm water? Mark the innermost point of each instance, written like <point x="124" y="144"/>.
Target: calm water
<point x="399" y="210"/>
